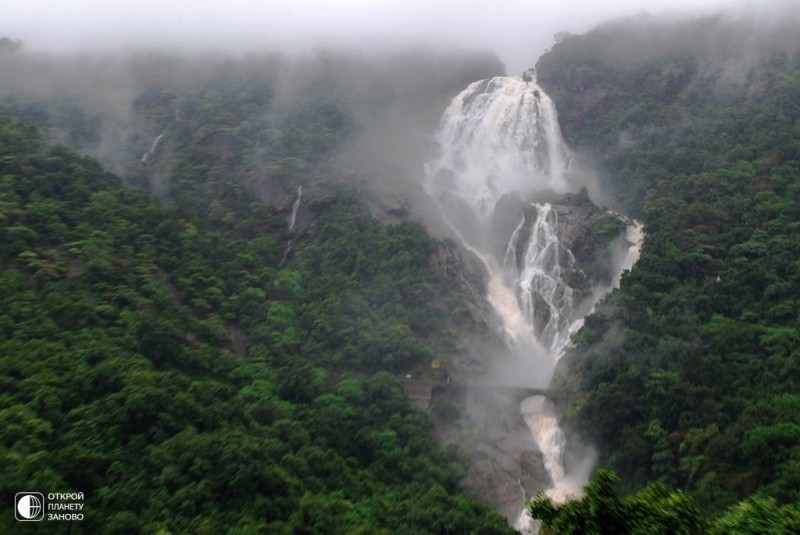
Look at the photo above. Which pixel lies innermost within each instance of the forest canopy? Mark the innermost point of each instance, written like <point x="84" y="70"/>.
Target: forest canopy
<point x="186" y="370"/>
<point x="690" y="372"/>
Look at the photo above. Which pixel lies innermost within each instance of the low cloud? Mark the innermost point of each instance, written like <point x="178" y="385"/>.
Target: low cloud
<point x="518" y="31"/>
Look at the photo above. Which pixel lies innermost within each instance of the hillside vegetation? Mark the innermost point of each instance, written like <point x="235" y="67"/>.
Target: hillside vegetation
<point x="691" y="371"/>
<point x="183" y="367"/>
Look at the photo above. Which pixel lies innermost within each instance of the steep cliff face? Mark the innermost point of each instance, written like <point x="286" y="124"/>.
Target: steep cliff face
<point x="592" y="234"/>
<point x="588" y="232"/>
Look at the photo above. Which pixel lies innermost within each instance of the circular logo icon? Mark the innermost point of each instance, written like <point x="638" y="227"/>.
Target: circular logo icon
<point x="30" y="506"/>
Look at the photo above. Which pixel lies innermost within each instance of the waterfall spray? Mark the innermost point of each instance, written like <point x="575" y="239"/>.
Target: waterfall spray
<point x="500" y="139"/>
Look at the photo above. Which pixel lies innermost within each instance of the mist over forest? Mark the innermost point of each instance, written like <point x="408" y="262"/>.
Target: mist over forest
<point x="394" y="275"/>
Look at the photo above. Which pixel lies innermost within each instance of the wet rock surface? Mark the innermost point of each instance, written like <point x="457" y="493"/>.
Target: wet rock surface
<point x="505" y="466"/>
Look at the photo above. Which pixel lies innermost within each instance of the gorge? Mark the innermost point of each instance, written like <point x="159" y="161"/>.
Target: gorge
<point x="501" y="183"/>
<point x="213" y="328"/>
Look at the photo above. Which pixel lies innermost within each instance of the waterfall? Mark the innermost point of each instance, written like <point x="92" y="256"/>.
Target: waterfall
<point x="292" y="221"/>
<point x="295" y="208"/>
<point x="148" y="155"/>
<point x="501" y="153"/>
<point x="500" y="139"/>
<point x="499" y="136"/>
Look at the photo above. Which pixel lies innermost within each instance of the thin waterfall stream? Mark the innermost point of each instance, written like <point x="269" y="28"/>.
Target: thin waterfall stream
<point x="292" y="222"/>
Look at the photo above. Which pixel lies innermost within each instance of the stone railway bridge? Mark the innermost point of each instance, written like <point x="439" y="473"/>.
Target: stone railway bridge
<point x="423" y="392"/>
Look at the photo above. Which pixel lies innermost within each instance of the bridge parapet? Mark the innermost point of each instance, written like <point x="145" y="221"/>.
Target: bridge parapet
<point x="520" y="393"/>
<point x="421" y="392"/>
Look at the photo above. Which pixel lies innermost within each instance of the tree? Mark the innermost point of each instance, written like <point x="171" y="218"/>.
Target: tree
<point x="653" y="511"/>
<point x="757" y="516"/>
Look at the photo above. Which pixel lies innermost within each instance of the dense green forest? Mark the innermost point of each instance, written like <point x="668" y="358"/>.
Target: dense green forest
<point x="690" y="373"/>
<point x="177" y="353"/>
<point x="657" y="510"/>
<point x="182" y="366"/>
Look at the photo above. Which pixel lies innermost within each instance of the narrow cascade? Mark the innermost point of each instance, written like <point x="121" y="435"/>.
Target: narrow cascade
<point x="295" y="208"/>
<point x="292" y="221"/>
<point x="148" y="155"/>
<point x="501" y="153"/>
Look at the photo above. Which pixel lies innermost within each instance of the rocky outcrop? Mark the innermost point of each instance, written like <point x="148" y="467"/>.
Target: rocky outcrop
<point x="587" y="231"/>
<point x="592" y="234"/>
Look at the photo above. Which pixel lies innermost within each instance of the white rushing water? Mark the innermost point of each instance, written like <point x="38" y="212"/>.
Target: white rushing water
<point x="501" y="148"/>
<point x="295" y="208"/>
<point x="148" y="155"/>
<point x="292" y="221"/>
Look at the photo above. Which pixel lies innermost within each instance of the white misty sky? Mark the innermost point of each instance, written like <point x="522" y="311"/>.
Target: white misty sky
<point x="517" y="30"/>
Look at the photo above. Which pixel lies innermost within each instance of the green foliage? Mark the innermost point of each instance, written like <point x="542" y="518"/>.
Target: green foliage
<point x="691" y="368"/>
<point x="656" y="509"/>
<point x="758" y="515"/>
<point x="601" y="511"/>
<point x="170" y="369"/>
<point x="224" y="142"/>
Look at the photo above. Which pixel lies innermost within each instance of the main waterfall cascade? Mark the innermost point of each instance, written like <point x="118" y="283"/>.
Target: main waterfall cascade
<point x="502" y="157"/>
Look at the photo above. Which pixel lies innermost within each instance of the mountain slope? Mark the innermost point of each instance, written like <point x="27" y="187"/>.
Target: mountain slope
<point x="168" y="368"/>
<point x="691" y="370"/>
